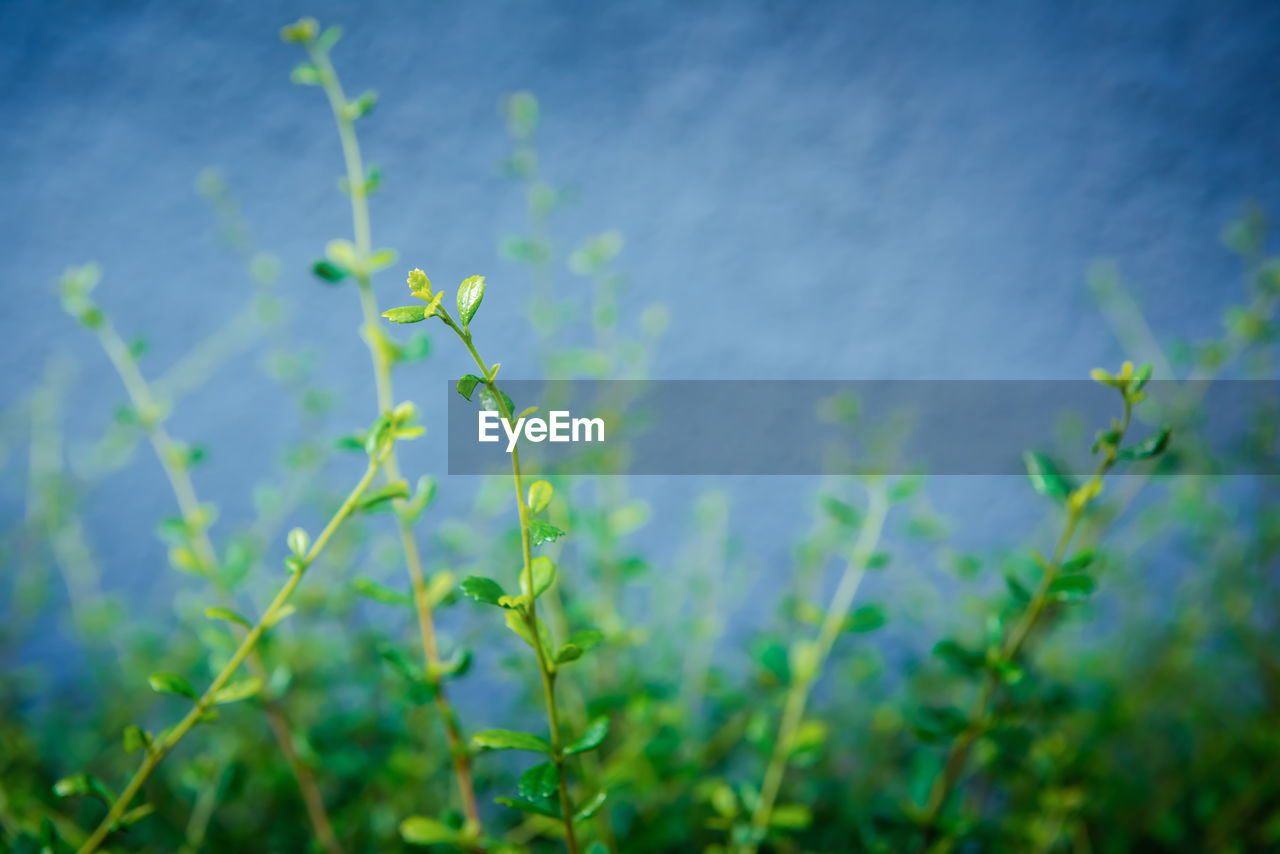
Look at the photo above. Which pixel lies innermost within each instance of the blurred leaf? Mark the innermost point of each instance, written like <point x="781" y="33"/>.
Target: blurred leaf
<point x="483" y="589"/>
<point x="1045" y="477"/>
<point x="540" y="494"/>
<point x="172" y="683"/>
<point x="545" y="808"/>
<point x="227" y="614"/>
<point x="237" y="691"/>
<point x="591" y="738"/>
<point x="539" y="782"/>
<point x="370" y="589"/>
<point x="421" y="830"/>
<point x="505" y="739"/>
<point x="865" y="619"/>
<point x="1071" y="588"/>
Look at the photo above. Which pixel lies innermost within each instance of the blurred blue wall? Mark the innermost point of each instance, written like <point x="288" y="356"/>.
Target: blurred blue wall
<point x="818" y="189"/>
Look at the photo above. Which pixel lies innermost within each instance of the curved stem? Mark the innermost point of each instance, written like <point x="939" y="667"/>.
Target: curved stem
<point x="529" y="613"/>
<point x="460" y="755"/>
<point x="802" y="682"/>
<point x="170" y="738"/>
<point x="140" y="395"/>
<point x="944" y="783"/>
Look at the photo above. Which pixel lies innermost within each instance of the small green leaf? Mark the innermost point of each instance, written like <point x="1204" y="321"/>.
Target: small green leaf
<point x="391" y="492"/>
<point x="1079" y="562"/>
<point x="543" y="570"/>
<point x="791" y="816"/>
<point x="505" y="739"/>
<point x="483" y="589"/>
<point x="865" y="619"/>
<point x="842" y="512"/>
<point x="567" y="653"/>
<point x="586" y="639"/>
<point x="217" y="613"/>
<point x="540" y="494"/>
<point x="1071" y="588"/>
<point x="590" y="808"/>
<point x="134" y="815"/>
<point x="879" y="560"/>
<point x="470" y="293"/>
<point x="960" y="658"/>
<point x="284" y="613"/>
<point x="468" y="384"/>
<point x="578" y="645"/>
<point x="1017" y="590"/>
<point x="1152" y="446"/>
<point x="421" y="830"/>
<point x="370" y="589"/>
<point x="83" y="784"/>
<point x="541" y="532"/>
<point x="362" y="105"/>
<point x="171" y="683"/>
<point x="328" y="272"/>
<point x="407" y="314"/>
<point x="490" y="403"/>
<point x="381" y="259"/>
<point x="1141" y="377"/>
<point x="237" y="691"/>
<point x="306" y="74"/>
<point x="590" y="738"/>
<point x="135" y="738"/>
<point x="1045" y="477"/>
<point x="299" y="542"/>
<point x="539" y="782"/>
<point x="546" y="808"/>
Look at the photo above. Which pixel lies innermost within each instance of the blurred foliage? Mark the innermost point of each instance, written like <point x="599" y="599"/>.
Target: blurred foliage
<point x="1064" y="693"/>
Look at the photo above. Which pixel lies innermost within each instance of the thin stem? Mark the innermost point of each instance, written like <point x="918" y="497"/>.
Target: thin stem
<point x="953" y="768"/>
<point x="802" y="682"/>
<point x="459" y="754"/>
<point x="140" y="395"/>
<point x="530" y="612"/>
<point x="170" y="738"/>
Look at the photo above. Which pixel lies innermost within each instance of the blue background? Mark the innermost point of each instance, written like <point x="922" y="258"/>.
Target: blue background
<point x="825" y="190"/>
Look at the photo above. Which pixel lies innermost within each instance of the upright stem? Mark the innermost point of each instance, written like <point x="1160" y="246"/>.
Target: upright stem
<point x="140" y="395"/>
<point x="945" y="781"/>
<point x="802" y="682"/>
<point x="157" y="751"/>
<point x="530" y="612"/>
<point x="459" y="753"/>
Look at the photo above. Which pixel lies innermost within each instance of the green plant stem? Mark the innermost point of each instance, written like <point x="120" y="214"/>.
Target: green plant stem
<point x="944" y="783"/>
<point x="145" y="403"/>
<point x="530" y="613"/>
<point x="802" y="682"/>
<point x="459" y="753"/>
<point x="157" y="751"/>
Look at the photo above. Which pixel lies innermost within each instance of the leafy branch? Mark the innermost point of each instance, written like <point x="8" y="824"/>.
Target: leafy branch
<point x="360" y="261"/>
<point x="219" y="691"/>
<point x="810" y="660"/>
<point x="1059" y="582"/>
<point x="197" y="552"/>
<point x="537" y="575"/>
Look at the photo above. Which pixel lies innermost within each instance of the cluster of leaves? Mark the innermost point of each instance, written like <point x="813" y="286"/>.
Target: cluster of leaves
<point x="984" y="706"/>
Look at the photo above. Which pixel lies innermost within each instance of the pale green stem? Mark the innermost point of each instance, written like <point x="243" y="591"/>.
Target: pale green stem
<point x="802" y="682"/>
<point x="954" y="766"/>
<point x="145" y="403"/>
<point x="459" y="754"/>
<point x="530" y="612"/>
<point x="170" y="738"/>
